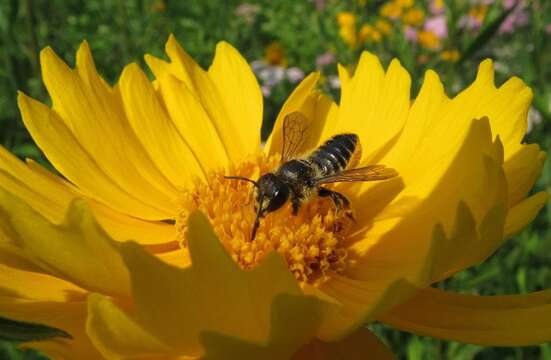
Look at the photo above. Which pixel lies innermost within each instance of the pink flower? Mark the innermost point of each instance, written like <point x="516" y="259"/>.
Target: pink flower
<point x="327" y="58"/>
<point x="410" y="33"/>
<point x="437" y="25"/>
<point x="507" y="4"/>
<point x="294" y="74"/>
<point x="548" y="29"/>
<point x="516" y="19"/>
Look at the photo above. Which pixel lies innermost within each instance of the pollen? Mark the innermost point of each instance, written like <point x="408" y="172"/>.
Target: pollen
<point x="310" y="242"/>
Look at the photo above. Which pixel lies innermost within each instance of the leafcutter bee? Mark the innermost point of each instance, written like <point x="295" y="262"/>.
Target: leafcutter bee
<point x="299" y="177"/>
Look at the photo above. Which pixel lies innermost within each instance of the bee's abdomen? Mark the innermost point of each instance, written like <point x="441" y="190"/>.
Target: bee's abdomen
<point x="334" y="155"/>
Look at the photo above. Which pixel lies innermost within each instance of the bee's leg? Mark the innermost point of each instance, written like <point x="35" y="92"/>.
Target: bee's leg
<point x="341" y="202"/>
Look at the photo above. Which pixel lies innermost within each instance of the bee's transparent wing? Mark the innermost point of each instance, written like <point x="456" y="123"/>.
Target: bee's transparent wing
<point x="295" y="131"/>
<point x="368" y="173"/>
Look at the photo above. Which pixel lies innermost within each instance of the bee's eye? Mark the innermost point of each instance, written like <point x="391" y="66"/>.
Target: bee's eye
<point x="278" y="199"/>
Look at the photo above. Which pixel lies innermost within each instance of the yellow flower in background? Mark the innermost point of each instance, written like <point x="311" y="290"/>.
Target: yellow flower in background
<point x="275" y="54"/>
<point x="413" y="17"/>
<point x="369" y="33"/>
<point x="450" y="55"/>
<point x="158" y="6"/>
<point x="428" y="39"/>
<point x="394" y="9"/>
<point x="391" y="10"/>
<point x="478" y="12"/>
<point x="437" y="5"/>
<point x="145" y="161"/>
<point x="383" y="26"/>
<point x="404" y="3"/>
<point x="347" y="27"/>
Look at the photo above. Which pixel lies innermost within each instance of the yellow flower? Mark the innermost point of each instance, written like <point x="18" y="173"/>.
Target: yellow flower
<point x="347" y="27"/>
<point x="369" y="33"/>
<point x="437" y="5"/>
<point x="392" y="10"/>
<point x="158" y="6"/>
<point x="413" y="17"/>
<point x="450" y="55"/>
<point x="404" y="3"/>
<point x="428" y="39"/>
<point x="139" y="160"/>
<point x="383" y="26"/>
<point x="275" y="54"/>
<point x="479" y="12"/>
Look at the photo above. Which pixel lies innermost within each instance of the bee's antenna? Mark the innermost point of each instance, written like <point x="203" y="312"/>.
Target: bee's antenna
<point x="241" y="178"/>
<point x="257" y="220"/>
<point x="259" y="211"/>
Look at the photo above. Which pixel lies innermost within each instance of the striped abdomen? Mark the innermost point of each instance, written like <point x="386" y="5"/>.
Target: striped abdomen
<point x="335" y="154"/>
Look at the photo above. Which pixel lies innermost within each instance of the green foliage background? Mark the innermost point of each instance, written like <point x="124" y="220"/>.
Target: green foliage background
<point x="120" y="32"/>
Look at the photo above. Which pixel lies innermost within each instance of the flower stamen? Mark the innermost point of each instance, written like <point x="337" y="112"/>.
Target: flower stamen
<point x="310" y="242"/>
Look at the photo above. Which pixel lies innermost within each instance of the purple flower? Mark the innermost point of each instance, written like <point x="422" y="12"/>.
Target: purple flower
<point x="319" y="4"/>
<point x="410" y="33"/>
<point x="294" y="74"/>
<point x="266" y="90"/>
<point x="327" y="58"/>
<point x="437" y="25"/>
<point x="271" y="75"/>
<point x="470" y="22"/>
<point x="507" y="4"/>
<point x="516" y="19"/>
<point x="247" y="11"/>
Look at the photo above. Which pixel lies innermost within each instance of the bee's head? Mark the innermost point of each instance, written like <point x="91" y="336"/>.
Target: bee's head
<point x="271" y="193"/>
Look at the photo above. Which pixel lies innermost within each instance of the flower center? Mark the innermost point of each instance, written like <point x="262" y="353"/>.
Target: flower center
<point x="311" y="241"/>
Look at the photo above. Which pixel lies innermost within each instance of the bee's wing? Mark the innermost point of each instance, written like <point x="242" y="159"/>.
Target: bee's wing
<point x="368" y="173"/>
<point x="295" y="131"/>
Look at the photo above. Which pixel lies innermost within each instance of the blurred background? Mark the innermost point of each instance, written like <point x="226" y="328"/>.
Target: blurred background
<point x="284" y="41"/>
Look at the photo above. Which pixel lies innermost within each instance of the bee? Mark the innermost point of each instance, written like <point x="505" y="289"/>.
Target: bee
<point x="299" y="177"/>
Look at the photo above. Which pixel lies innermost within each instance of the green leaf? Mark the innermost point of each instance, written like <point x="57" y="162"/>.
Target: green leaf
<point x="485" y="35"/>
<point x="12" y="330"/>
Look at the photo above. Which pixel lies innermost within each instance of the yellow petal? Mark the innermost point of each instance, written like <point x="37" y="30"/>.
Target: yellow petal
<point x="405" y="240"/>
<point x="121" y="227"/>
<point x="294" y="102"/>
<point x="66" y="154"/>
<point x="232" y="133"/>
<point x="193" y="123"/>
<point x="361" y="301"/>
<point x="344" y="78"/>
<point x="240" y="94"/>
<point x="506" y="107"/>
<point x="133" y="150"/>
<point x="17" y="285"/>
<point x="423" y="118"/>
<point x="472" y="171"/>
<point x="68" y="316"/>
<point x="51" y="195"/>
<point x="375" y="105"/>
<point x="255" y="314"/>
<point x="524" y="212"/>
<point x="361" y="345"/>
<point x="293" y="323"/>
<point x="522" y="170"/>
<point x="436" y="122"/>
<point x="69" y="251"/>
<point x="151" y="123"/>
<point x="507" y="320"/>
<point x="115" y="335"/>
<point x="94" y="114"/>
